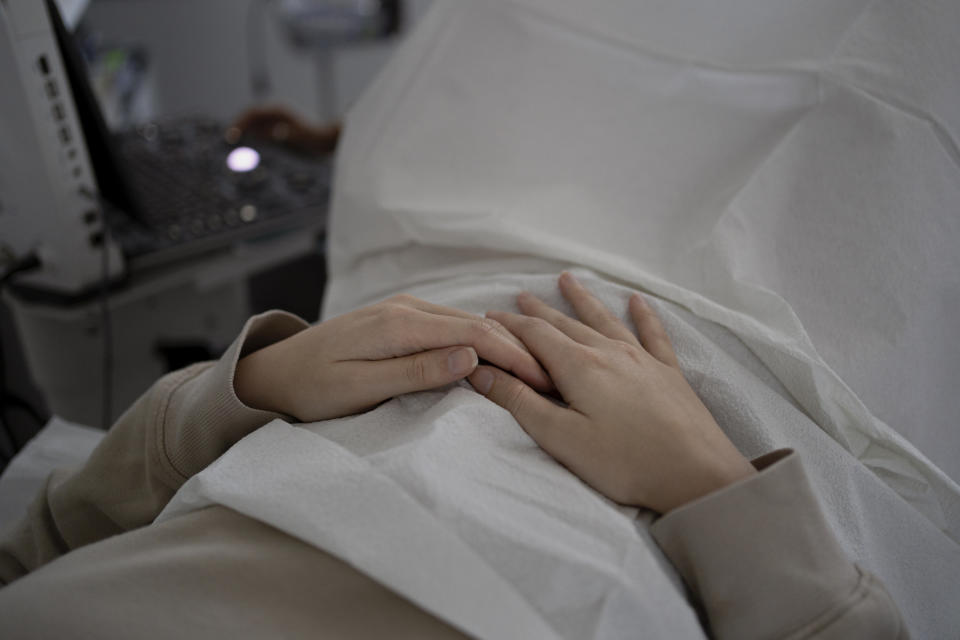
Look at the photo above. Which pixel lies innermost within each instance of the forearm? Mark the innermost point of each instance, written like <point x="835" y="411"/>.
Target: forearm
<point x="763" y="562"/>
<point x="182" y="424"/>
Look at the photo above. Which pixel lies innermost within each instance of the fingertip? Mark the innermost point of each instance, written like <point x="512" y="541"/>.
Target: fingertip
<point x="482" y="380"/>
<point x="462" y="361"/>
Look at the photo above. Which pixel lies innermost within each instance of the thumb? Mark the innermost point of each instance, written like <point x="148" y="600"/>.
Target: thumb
<point x="424" y="370"/>
<point x="549" y="425"/>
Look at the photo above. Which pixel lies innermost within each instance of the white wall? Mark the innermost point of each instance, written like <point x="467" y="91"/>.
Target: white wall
<point x="198" y="55"/>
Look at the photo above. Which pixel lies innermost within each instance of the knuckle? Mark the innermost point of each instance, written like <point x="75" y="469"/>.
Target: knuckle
<point x="592" y="358"/>
<point x="516" y="399"/>
<point x="496" y="327"/>
<point x="625" y="349"/>
<point x="610" y="322"/>
<point x="631" y="353"/>
<point x="487" y="326"/>
<point x="400" y="299"/>
<point x="392" y="313"/>
<point x="563" y="322"/>
<point x="537" y="324"/>
<point x="417" y="370"/>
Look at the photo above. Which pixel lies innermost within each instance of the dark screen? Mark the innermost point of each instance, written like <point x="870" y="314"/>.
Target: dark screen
<point x="110" y="181"/>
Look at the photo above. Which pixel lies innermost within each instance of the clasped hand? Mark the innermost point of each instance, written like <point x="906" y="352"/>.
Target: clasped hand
<point x="353" y="362"/>
<point x="633" y="428"/>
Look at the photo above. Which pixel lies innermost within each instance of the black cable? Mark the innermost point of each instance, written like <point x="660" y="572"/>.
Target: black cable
<point x="106" y="330"/>
<point x="10" y="445"/>
<point x="7" y="401"/>
<point x="27" y="263"/>
<point x="106" y="324"/>
<point x="12" y="399"/>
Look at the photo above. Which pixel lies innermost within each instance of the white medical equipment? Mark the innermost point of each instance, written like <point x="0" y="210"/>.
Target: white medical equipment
<point x="185" y="226"/>
<point x="313" y="24"/>
<point x="48" y="191"/>
<point x="165" y="191"/>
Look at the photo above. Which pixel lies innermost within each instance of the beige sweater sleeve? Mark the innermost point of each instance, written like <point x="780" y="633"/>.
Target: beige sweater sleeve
<point x="763" y="562"/>
<point x="183" y="423"/>
<point x="758" y="555"/>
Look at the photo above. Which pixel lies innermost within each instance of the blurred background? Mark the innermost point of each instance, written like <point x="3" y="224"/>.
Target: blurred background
<point x="114" y="290"/>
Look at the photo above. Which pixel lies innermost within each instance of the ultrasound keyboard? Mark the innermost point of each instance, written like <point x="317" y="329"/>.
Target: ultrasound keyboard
<point x="189" y="201"/>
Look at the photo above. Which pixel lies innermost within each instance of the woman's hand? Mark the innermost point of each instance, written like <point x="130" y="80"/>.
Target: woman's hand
<point x="355" y="361"/>
<point x="634" y="429"/>
<point x="282" y="126"/>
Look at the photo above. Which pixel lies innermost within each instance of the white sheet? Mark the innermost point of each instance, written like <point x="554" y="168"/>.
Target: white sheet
<point x="442" y="497"/>
<point x="785" y="169"/>
<point x="59" y="444"/>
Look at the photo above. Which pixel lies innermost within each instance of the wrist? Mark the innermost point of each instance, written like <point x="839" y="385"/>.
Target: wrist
<point x="254" y="382"/>
<point x="707" y="479"/>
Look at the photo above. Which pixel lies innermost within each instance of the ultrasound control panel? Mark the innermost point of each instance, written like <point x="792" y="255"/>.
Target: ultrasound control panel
<point x="192" y="188"/>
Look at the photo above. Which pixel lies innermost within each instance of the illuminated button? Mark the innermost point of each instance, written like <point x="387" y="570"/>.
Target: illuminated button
<point x="243" y="159"/>
<point x="248" y="213"/>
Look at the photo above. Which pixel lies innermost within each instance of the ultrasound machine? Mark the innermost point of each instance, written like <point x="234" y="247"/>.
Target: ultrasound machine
<point x="115" y="246"/>
<point x="86" y="205"/>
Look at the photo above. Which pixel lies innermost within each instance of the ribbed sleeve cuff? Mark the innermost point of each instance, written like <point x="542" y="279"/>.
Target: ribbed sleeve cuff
<point x="202" y="416"/>
<point x="759" y="553"/>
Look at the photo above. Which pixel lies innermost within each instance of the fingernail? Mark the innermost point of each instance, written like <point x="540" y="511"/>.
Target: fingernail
<point x="482" y="381"/>
<point x="462" y="361"/>
<point x="570" y="277"/>
<point x="640" y="299"/>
